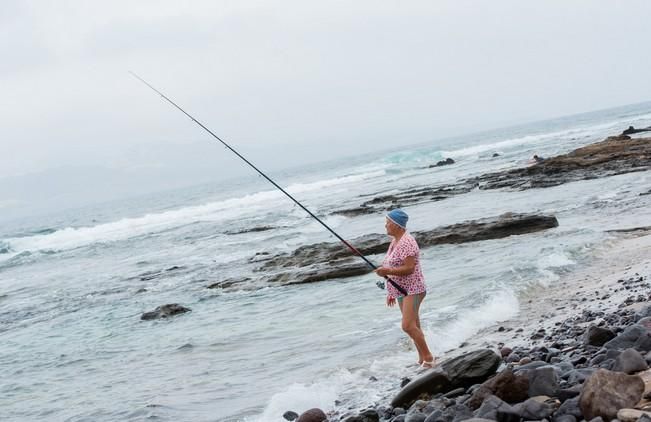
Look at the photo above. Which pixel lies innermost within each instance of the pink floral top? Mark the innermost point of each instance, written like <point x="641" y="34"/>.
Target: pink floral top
<point x="413" y="283"/>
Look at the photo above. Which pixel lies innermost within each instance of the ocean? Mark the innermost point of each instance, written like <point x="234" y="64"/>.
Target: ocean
<point x="74" y="284"/>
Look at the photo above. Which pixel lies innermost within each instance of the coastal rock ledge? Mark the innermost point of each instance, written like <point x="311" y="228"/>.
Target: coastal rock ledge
<point x="330" y="260"/>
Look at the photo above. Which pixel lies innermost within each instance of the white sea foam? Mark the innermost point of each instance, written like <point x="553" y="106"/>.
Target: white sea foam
<point x="447" y="336"/>
<point x="126" y="228"/>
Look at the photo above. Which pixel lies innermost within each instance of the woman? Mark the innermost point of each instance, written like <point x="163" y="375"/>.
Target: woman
<point x="402" y="265"/>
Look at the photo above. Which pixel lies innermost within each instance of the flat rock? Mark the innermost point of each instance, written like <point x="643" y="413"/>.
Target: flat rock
<point x="631" y="415"/>
<point x="331" y="260"/>
<point x="471" y="368"/>
<point x="597" y="336"/>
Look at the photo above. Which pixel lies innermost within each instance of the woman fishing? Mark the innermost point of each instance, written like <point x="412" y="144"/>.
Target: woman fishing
<point x="402" y="265"/>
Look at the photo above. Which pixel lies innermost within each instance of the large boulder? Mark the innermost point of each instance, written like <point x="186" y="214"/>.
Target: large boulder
<point x="606" y="392"/>
<point x="630" y="361"/>
<point x="463" y="371"/>
<point x="635" y="336"/>
<point x="471" y="368"/>
<point x="432" y="382"/>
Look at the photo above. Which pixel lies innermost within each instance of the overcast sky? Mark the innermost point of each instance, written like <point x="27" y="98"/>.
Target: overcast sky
<point x="289" y="82"/>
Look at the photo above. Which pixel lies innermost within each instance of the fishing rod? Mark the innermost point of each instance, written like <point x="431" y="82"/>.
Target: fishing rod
<point x="351" y="247"/>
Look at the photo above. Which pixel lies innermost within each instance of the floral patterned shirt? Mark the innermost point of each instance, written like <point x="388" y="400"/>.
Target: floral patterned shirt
<point x="413" y="283"/>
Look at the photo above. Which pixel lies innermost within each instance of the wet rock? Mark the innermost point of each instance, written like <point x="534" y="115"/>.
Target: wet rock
<point x="290" y="415"/>
<point x="629" y="362"/>
<point x="471" y="368"/>
<point x="597" y="336"/>
<point x="312" y="415"/>
<point x="330" y="260"/>
<point x="230" y="282"/>
<point x="445" y="162"/>
<point x="432" y="382"/>
<point x="165" y="311"/>
<point x="606" y="392"/>
<point x="462" y="371"/>
<point x="505" y="385"/>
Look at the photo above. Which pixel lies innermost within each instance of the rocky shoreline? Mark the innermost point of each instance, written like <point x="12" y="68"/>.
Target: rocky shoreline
<point x="615" y="155"/>
<point x="585" y="357"/>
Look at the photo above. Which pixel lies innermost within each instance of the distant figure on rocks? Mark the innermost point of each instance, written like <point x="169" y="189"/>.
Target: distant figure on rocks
<point x="536" y="159"/>
<point x="631" y="130"/>
<point x="402" y="265"/>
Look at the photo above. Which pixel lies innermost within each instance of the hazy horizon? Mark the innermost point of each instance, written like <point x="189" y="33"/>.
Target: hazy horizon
<point x="287" y="83"/>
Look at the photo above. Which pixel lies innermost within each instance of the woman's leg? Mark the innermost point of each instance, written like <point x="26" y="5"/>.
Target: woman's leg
<point x="411" y="325"/>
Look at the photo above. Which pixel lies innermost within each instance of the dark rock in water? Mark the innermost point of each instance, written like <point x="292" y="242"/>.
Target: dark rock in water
<point x="290" y="416"/>
<point x="631" y="130"/>
<point x="165" y="311"/>
<point x="251" y="230"/>
<point x="312" y="415"/>
<point x="505" y="385"/>
<point x="495" y="155"/>
<point x="471" y="368"/>
<point x="629" y="362"/>
<point x="432" y="382"/>
<point x="597" y="336"/>
<point x="230" y="282"/>
<point x="606" y="392"/>
<point x="445" y="162"/>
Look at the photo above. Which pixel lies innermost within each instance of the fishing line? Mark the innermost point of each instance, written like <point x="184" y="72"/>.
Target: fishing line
<point x="380" y="284"/>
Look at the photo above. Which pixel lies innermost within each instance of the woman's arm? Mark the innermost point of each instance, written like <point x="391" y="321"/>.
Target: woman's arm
<point x="405" y="269"/>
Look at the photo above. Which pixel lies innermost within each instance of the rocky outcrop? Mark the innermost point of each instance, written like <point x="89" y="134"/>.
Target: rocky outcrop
<point x="330" y="260"/>
<point x="462" y="371"/>
<point x="165" y="311"/>
<point x="613" y="156"/>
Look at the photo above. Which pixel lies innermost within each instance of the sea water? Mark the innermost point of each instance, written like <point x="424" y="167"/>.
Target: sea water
<point x="74" y="284"/>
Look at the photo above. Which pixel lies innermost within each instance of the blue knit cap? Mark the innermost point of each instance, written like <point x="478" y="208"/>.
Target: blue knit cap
<point x="399" y="217"/>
